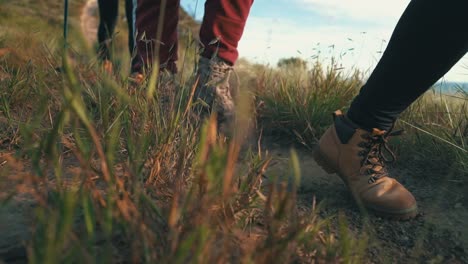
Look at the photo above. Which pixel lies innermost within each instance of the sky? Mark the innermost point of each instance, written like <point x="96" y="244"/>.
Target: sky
<point x="354" y="32"/>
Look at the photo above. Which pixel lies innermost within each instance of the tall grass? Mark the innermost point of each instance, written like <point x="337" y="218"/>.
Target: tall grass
<point x="128" y="178"/>
<point x="137" y="177"/>
<point x="438" y="126"/>
<point x="299" y="102"/>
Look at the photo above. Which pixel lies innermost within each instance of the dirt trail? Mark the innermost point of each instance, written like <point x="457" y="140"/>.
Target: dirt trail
<point x="17" y="216"/>
<point x="440" y="233"/>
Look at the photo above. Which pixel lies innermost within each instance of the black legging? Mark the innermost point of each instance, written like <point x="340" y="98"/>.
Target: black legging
<point x="431" y="36"/>
<point x="108" y="14"/>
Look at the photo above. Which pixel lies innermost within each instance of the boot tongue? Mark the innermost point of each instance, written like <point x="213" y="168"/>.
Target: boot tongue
<point x="350" y="122"/>
<point x="345" y="127"/>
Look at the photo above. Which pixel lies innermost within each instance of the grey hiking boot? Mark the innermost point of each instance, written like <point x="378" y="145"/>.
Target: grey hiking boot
<point x="213" y="91"/>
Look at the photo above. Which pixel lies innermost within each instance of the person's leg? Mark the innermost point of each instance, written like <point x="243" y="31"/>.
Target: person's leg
<point x="429" y="39"/>
<point x="108" y="12"/>
<point x="148" y="19"/>
<point x="431" y="36"/>
<point x="220" y="33"/>
<point x="130" y="8"/>
<point x="222" y="28"/>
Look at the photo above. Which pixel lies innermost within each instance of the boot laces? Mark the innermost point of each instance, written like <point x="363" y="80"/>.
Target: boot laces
<point x="214" y="71"/>
<point x="218" y="77"/>
<point x="377" y="154"/>
<point x="213" y="74"/>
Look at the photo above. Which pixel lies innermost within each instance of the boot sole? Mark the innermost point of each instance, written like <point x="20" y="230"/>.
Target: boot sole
<point x="323" y="162"/>
<point x="407" y="214"/>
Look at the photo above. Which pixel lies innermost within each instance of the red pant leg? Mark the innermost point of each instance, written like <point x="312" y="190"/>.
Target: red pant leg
<point x="147" y="20"/>
<point x="224" y="20"/>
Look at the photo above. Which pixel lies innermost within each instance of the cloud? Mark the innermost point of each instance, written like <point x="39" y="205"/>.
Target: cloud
<point x="372" y="11"/>
<point x="266" y="40"/>
<point x="303" y="28"/>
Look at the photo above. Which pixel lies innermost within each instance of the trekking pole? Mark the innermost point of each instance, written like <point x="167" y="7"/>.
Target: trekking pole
<point x="65" y="23"/>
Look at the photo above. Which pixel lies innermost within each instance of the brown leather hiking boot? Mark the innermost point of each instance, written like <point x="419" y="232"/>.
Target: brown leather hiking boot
<point x="358" y="157"/>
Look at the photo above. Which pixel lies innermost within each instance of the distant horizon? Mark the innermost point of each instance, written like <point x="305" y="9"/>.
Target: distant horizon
<point x="450" y="86"/>
<point x="354" y="32"/>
